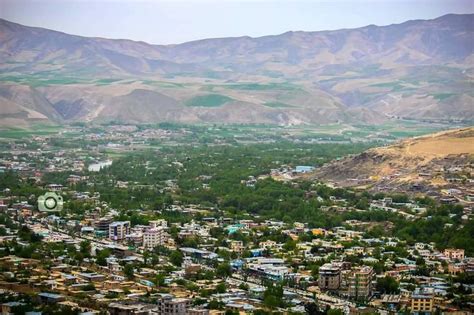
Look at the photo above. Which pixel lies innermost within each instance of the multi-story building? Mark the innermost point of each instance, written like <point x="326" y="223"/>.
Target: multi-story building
<point x="237" y="246"/>
<point x="360" y="283"/>
<point x="103" y="224"/>
<point x="129" y="309"/>
<point x="421" y="303"/>
<point x="158" y="223"/>
<point x="135" y="238"/>
<point x="454" y="253"/>
<point x="154" y="237"/>
<point x="169" y="305"/>
<point x="329" y="277"/>
<point x="118" y="230"/>
<point x="268" y="244"/>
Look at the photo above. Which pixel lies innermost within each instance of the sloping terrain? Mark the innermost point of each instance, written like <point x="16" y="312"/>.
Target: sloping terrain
<point x="421" y="161"/>
<point x="419" y="69"/>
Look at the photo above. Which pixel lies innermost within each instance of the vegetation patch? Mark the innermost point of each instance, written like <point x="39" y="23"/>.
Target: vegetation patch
<point x="442" y="96"/>
<point x="106" y="81"/>
<point x="209" y="100"/>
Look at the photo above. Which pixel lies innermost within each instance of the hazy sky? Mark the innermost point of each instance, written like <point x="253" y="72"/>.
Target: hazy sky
<point x="176" y="21"/>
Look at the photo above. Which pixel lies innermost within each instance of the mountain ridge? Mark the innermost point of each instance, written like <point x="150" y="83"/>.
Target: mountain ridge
<point x="421" y="69"/>
<point x="442" y="17"/>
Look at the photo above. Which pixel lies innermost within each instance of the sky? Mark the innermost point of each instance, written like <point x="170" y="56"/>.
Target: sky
<point x="177" y="21"/>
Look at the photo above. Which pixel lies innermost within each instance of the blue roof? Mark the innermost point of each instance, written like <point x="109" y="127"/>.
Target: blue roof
<point x="50" y="295"/>
<point x="304" y="168"/>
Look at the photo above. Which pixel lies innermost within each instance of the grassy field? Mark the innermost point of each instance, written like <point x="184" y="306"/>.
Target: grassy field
<point x="210" y="100"/>
<point x="36" y="130"/>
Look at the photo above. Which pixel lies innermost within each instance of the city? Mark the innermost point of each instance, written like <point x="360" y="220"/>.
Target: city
<point x="224" y="157"/>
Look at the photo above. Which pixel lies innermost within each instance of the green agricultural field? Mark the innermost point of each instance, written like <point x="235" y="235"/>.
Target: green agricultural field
<point x="209" y="100"/>
<point x="106" y="81"/>
<point x="38" y="80"/>
<point x="37" y="130"/>
<point x="442" y="96"/>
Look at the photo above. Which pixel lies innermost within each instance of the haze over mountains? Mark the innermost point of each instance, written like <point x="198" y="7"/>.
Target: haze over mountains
<point x="419" y="69"/>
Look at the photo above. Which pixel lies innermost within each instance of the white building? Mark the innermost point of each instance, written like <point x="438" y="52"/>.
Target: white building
<point x="154" y="237"/>
<point x="118" y="230"/>
<point x="158" y="223"/>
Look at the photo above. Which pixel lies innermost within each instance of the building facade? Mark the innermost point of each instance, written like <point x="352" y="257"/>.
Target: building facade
<point x="329" y="277"/>
<point x="360" y="283"/>
<point x="154" y="237"/>
<point x="118" y="230"/>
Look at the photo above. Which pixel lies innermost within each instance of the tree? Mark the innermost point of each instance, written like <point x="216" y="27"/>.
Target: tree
<point x="128" y="271"/>
<point x="101" y="258"/>
<point x="273" y="296"/>
<point x="215" y="305"/>
<point x="223" y="270"/>
<point x="221" y="288"/>
<point x="312" y="309"/>
<point x="89" y="287"/>
<point x="290" y="245"/>
<point x="85" y="248"/>
<point x="176" y="258"/>
<point x="160" y="280"/>
<point x="387" y="285"/>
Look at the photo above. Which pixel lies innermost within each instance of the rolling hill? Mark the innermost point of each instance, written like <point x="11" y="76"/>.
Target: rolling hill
<point x="419" y="163"/>
<point x="420" y="69"/>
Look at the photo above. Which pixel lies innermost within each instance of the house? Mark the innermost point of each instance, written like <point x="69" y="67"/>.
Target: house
<point x="8" y="308"/>
<point x="421" y="303"/>
<point x="454" y="253"/>
<point x="329" y="277"/>
<point x="50" y="297"/>
<point x="302" y="169"/>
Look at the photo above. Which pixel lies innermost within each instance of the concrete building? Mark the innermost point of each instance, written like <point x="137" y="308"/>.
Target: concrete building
<point x="237" y="246"/>
<point x="158" y="223"/>
<point x="360" y="283"/>
<point x="103" y="224"/>
<point x="329" y="277"/>
<point x="169" y="305"/>
<point x="129" y="309"/>
<point x="118" y="230"/>
<point x="8" y="308"/>
<point x="421" y="303"/>
<point x="154" y="237"/>
<point x="454" y="253"/>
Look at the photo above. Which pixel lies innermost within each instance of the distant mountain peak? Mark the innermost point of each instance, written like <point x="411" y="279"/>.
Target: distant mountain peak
<point x="417" y="69"/>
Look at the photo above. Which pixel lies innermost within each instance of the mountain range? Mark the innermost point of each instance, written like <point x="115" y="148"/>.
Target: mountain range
<point x="421" y="69"/>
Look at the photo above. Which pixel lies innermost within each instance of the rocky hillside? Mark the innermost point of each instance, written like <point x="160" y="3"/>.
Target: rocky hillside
<point x="419" y="69"/>
<point x="420" y="163"/>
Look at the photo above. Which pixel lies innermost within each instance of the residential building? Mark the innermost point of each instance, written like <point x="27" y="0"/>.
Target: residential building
<point x="329" y="277"/>
<point x="454" y="253"/>
<point x="421" y="303"/>
<point x="237" y="246"/>
<point x="169" y="305"/>
<point x="154" y="237"/>
<point x="103" y="224"/>
<point x="360" y="283"/>
<point x="128" y="309"/>
<point x="118" y="230"/>
<point x="158" y="223"/>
